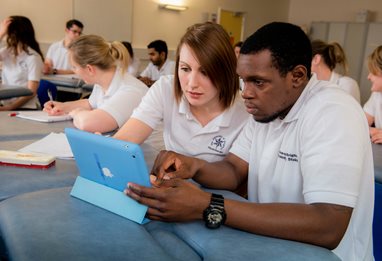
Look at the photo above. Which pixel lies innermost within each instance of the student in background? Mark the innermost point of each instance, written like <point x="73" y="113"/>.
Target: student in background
<point x="115" y="94"/>
<point x="325" y="59"/>
<point x="237" y="47"/>
<point x="306" y="154"/>
<point x="373" y="107"/>
<point x="22" y="61"/>
<point x="56" y="61"/>
<point x="159" y="63"/>
<point x="133" y="61"/>
<point x="199" y="106"/>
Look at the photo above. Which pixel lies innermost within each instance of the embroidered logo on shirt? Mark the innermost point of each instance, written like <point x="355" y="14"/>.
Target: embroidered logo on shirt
<point x="288" y="156"/>
<point x="217" y="144"/>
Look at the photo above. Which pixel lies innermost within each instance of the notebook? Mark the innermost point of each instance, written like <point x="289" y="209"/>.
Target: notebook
<point x="42" y="116"/>
<point x="106" y="165"/>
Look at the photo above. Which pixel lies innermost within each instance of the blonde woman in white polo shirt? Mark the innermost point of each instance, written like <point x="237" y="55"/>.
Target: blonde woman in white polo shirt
<point x="115" y="93"/>
<point x="373" y="107"/>
<point x="200" y="106"/>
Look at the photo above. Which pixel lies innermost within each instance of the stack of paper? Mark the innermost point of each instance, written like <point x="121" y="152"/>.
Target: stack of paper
<point x="55" y="144"/>
<point x="42" y="116"/>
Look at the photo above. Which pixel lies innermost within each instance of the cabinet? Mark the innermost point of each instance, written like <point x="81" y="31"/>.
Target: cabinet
<point x="358" y="41"/>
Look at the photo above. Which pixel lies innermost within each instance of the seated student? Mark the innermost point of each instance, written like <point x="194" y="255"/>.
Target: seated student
<point x="22" y="61"/>
<point x="56" y="61"/>
<point x="373" y="107"/>
<point x="159" y="63"/>
<point x="200" y="106"/>
<point x="115" y="93"/>
<point x="306" y="181"/>
<point x="325" y="59"/>
<point x="133" y="61"/>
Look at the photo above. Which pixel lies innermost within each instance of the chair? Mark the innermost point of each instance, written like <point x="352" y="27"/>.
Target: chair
<point x="46" y="91"/>
<point x="377" y="222"/>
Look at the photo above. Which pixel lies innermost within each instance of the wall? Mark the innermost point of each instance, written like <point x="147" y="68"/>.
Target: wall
<point x="150" y="22"/>
<point x="303" y="12"/>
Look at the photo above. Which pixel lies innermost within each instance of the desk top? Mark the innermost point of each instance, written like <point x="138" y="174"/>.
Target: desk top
<point x="7" y="91"/>
<point x="67" y="80"/>
<point x="16" y="133"/>
<point x="14" y="128"/>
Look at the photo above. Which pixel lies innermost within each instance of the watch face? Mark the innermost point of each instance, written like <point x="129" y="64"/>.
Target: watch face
<point x="214" y="219"/>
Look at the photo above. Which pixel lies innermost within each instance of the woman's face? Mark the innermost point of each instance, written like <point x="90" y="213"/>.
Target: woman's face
<point x="196" y="85"/>
<point x="82" y="72"/>
<point x="376" y="80"/>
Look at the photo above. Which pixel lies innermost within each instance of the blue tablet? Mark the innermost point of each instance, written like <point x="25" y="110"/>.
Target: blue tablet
<point x="108" y="161"/>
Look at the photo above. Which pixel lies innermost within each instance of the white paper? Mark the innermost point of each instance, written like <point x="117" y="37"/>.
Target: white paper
<point x="55" y="144"/>
<point x="42" y="116"/>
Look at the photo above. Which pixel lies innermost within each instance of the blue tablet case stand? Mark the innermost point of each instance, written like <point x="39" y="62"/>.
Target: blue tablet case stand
<point x="109" y="199"/>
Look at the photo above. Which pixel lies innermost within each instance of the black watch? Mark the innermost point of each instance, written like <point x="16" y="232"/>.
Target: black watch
<point x="55" y="71"/>
<point x="214" y="216"/>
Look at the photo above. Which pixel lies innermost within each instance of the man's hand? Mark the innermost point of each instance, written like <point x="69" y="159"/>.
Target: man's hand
<point x="146" y="81"/>
<point x="54" y="108"/>
<point x="174" y="200"/>
<point x="169" y="165"/>
<point x="376" y="135"/>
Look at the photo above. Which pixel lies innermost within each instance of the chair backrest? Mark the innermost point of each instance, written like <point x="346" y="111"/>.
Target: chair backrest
<point x="46" y="91"/>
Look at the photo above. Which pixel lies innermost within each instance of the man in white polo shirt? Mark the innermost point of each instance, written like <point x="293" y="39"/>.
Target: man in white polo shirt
<point x="306" y="154"/>
<point x="159" y="63"/>
<point x="56" y="61"/>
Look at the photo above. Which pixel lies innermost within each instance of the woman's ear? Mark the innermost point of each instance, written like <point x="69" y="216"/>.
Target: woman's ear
<point x="90" y="69"/>
<point x="316" y="59"/>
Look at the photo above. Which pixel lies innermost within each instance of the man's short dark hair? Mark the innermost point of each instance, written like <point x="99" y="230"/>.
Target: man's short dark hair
<point x="159" y="46"/>
<point x="72" y="22"/>
<point x="288" y="44"/>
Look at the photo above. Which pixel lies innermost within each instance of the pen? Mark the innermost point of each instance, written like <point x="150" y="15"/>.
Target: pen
<point x="50" y="95"/>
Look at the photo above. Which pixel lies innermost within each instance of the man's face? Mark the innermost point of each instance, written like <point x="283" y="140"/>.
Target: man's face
<point x="73" y="32"/>
<point x="267" y="95"/>
<point x="156" y="58"/>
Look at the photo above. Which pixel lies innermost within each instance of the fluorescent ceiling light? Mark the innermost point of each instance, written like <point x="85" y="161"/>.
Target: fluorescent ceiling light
<point x="174" y="7"/>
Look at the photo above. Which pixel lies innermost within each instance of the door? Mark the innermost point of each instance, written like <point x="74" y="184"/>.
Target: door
<point x="233" y="23"/>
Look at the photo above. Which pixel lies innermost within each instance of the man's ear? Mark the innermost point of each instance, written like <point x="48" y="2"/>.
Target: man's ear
<point x="299" y="76"/>
<point x="163" y="56"/>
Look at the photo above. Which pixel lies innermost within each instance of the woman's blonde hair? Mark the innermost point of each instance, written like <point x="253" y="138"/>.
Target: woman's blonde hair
<point x="374" y="61"/>
<point x="332" y="53"/>
<point x="94" y="50"/>
<point x="211" y="46"/>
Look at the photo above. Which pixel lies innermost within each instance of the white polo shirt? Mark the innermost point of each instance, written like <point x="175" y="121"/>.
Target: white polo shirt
<point x="347" y="84"/>
<point x="182" y="132"/>
<point x="121" y="98"/>
<point x="320" y="152"/>
<point x="152" y="72"/>
<point x="58" y="53"/>
<point x="373" y="107"/>
<point x="26" y="67"/>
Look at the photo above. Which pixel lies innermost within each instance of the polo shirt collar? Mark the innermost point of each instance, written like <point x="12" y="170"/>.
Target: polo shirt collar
<point x="294" y="113"/>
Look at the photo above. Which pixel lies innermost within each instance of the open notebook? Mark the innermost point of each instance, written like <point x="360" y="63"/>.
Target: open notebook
<point x="42" y="116"/>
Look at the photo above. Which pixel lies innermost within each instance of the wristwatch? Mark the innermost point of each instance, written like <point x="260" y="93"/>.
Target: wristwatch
<point x="55" y="71"/>
<point x="214" y="216"/>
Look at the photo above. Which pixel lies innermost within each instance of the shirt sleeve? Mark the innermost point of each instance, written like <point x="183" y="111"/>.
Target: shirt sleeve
<point x="151" y="109"/>
<point x="35" y="65"/>
<point x="370" y="105"/>
<point x="147" y="71"/>
<point x="241" y="147"/>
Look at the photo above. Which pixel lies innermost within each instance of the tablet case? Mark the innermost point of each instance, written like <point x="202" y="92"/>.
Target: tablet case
<point x="106" y="165"/>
